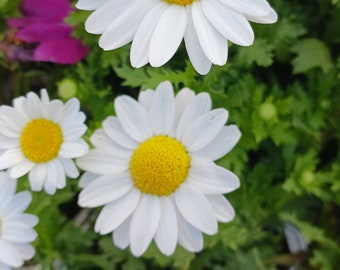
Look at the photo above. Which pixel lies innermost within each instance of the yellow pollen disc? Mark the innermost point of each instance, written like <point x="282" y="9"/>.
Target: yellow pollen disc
<point x="41" y="140"/>
<point x="180" y="2"/>
<point x="159" y="165"/>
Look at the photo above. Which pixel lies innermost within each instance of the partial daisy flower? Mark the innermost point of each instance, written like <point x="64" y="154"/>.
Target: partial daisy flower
<point x="153" y="170"/>
<point x="40" y="137"/>
<point x="16" y="231"/>
<point x="157" y="27"/>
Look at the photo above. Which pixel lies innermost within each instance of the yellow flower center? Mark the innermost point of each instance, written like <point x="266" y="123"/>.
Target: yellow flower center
<point x="180" y="2"/>
<point x="159" y="165"/>
<point x="41" y="140"/>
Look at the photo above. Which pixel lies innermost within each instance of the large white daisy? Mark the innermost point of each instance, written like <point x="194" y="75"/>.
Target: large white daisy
<point x="16" y="231"/>
<point x="153" y="170"/>
<point x="39" y="137"/>
<point x="157" y="27"/>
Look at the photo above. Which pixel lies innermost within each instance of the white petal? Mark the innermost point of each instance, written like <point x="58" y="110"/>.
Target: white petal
<point x="144" y="224"/>
<point x="271" y="17"/>
<point x="100" y="19"/>
<point x="8" y="142"/>
<point x="100" y="161"/>
<point x="184" y="97"/>
<point x="115" y="213"/>
<point x="200" y="62"/>
<point x="90" y="4"/>
<point x="121" y="235"/>
<point x="204" y="129"/>
<point x="214" y="45"/>
<point x="167" y="233"/>
<point x="74" y="132"/>
<point x="54" y="111"/>
<point x="188" y="236"/>
<point x="34" y="107"/>
<point x="50" y="185"/>
<point x="145" y="98"/>
<point x="251" y="7"/>
<point x="199" y="105"/>
<point x="222" y="144"/>
<point x="7" y="131"/>
<point x="19" y="104"/>
<point x="69" y="167"/>
<point x="73" y="149"/>
<point x="123" y="27"/>
<point x="8" y="186"/>
<point x="61" y="178"/>
<point x="195" y="208"/>
<point x="105" y="189"/>
<point x="114" y="130"/>
<point x="295" y="241"/>
<point x="44" y="98"/>
<point x="100" y="139"/>
<point x="26" y="251"/>
<point x="223" y="210"/>
<point x="72" y="121"/>
<point x="162" y="108"/>
<point x="167" y="35"/>
<point x="139" y="55"/>
<point x="29" y="219"/>
<point x="20" y="202"/>
<point x="37" y="176"/>
<point x="71" y="107"/>
<point x="231" y="24"/>
<point x="21" y="169"/>
<point x="9" y="255"/>
<point x="87" y="178"/>
<point x="17" y="232"/>
<point x="133" y="118"/>
<point x="11" y="158"/>
<point x="211" y="179"/>
<point x="13" y="118"/>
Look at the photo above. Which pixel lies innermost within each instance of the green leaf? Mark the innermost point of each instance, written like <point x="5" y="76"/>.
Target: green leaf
<point x="311" y="53"/>
<point x="260" y="53"/>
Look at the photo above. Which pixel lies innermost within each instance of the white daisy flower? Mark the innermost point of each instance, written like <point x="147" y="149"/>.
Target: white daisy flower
<point x="157" y="27"/>
<point x="39" y="137"/>
<point x="16" y="231"/>
<point x="153" y="170"/>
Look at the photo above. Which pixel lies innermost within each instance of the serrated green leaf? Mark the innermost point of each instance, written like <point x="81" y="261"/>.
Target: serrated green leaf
<point x="311" y="53"/>
<point x="260" y="53"/>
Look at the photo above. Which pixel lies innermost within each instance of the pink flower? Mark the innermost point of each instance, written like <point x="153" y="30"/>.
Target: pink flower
<point x="43" y="35"/>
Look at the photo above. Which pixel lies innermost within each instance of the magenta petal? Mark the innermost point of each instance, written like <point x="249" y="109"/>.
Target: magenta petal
<point x="40" y="32"/>
<point x="63" y="51"/>
<point x="30" y="20"/>
<point x="56" y="9"/>
<point x="23" y="22"/>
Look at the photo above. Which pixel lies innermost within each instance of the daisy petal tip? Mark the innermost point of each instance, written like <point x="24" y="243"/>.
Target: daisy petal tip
<point x="238" y="184"/>
<point x="82" y="202"/>
<point x="273" y="16"/>
<point x="201" y="71"/>
<point x="169" y="249"/>
<point x="165" y="85"/>
<point x="137" y="252"/>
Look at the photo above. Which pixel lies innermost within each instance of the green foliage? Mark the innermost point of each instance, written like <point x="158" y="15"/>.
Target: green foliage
<point x="260" y="53"/>
<point x="311" y="53"/>
<point x="283" y="94"/>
